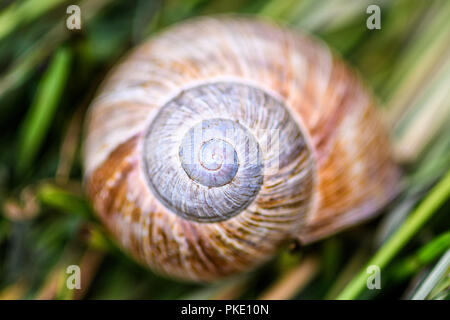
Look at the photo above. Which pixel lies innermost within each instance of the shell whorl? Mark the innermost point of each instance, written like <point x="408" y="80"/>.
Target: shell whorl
<point x="211" y="149"/>
<point x="289" y="146"/>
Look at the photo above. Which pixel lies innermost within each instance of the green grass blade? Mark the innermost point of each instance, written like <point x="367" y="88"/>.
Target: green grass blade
<point x="417" y="219"/>
<point x="38" y="118"/>
<point x="432" y="280"/>
<point x="26" y="11"/>
<point x="425" y="255"/>
<point x="64" y="200"/>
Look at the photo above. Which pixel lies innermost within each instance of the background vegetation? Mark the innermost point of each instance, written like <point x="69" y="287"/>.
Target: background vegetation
<point x="49" y="74"/>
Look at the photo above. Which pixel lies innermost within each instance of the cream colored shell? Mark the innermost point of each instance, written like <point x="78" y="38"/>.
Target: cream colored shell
<point x="335" y="167"/>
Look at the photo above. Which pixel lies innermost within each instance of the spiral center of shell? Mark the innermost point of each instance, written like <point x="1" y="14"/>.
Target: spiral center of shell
<point x="211" y="162"/>
<point x="214" y="153"/>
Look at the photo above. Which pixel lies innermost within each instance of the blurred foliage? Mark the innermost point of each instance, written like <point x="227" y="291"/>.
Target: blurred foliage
<point x="49" y="74"/>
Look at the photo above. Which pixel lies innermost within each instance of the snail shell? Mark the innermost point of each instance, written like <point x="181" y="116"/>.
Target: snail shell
<point x="216" y="142"/>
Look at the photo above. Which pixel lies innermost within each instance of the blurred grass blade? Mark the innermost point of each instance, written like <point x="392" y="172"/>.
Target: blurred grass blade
<point x="417" y="89"/>
<point x="23" y="66"/>
<point x="24" y="12"/>
<point x="427" y="113"/>
<point x="293" y="281"/>
<point x="419" y="59"/>
<point x="276" y="9"/>
<point x="63" y="200"/>
<point x="425" y="255"/>
<point x="39" y="117"/>
<point x="423" y="212"/>
<point x="347" y="273"/>
<point x="321" y="16"/>
<point x="432" y="280"/>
